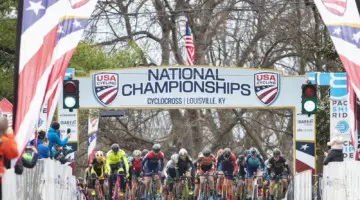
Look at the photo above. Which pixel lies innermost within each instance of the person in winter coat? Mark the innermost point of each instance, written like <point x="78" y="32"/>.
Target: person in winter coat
<point x="43" y="149"/>
<point x="335" y="154"/>
<point x="28" y="160"/>
<point x="8" y="146"/>
<point x="54" y="137"/>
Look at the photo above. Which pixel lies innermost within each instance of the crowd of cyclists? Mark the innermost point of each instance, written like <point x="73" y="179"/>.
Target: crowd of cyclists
<point x="144" y="175"/>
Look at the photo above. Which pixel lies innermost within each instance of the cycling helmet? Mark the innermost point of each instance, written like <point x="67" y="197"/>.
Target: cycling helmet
<point x="276" y="152"/>
<point x="183" y="153"/>
<point x="144" y="152"/>
<point x="156" y="148"/>
<point x="253" y="151"/>
<point x="130" y="159"/>
<point x="227" y="152"/>
<point x="137" y="153"/>
<point x="206" y="152"/>
<point x="175" y="158"/>
<point x="115" y="148"/>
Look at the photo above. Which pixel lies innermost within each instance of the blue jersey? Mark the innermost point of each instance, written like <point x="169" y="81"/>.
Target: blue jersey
<point x="254" y="164"/>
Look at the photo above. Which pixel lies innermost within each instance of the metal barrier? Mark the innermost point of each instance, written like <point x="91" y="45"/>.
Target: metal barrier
<point x="47" y="180"/>
<point x="341" y="180"/>
<point x="300" y="188"/>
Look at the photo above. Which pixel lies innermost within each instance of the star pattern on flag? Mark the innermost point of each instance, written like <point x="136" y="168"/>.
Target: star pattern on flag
<point x="36" y="7"/>
<point x="337" y="31"/>
<point x="356" y="37"/>
<point x="77" y="24"/>
<point x="304" y="147"/>
<point x="60" y="30"/>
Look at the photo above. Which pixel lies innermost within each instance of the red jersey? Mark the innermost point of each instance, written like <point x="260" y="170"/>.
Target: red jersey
<point x="136" y="165"/>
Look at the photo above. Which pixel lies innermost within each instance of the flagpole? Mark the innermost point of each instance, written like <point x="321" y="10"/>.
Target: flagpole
<point x="17" y="59"/>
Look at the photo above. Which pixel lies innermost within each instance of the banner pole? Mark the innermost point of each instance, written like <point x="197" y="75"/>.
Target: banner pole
<point x="17" y="60"/>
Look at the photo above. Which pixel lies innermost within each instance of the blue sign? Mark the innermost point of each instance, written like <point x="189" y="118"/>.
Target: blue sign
<point x="342" y="126"/>
<point x="69" y="72"/>
<point x="336" y="81"/>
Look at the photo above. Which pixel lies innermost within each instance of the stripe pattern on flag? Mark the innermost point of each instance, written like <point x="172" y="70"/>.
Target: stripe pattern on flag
<point x="51" y="30"/>
<point x="343" y="25"/>
<point x="189" y="45"/>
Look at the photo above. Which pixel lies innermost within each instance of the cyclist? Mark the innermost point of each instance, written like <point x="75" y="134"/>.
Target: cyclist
<point x="254" y="163"/>
<point x="171" y="174"/>
<point x="206" y="164"/>
<point x="98" y="170"/>
<point x="144" y="152"/>
<point x="153" y="163"/>
<point x="185" y="166"/>
<point x="135" y="171"/>
<point x="241" y="172"/>
<point x="278" y="166"/>
<point x="116" y="159"/>
<point x="226" y="165"/>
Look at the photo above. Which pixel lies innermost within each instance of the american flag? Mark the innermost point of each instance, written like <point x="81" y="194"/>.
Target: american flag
<point x="93" y="125"/>
<point x="343" y="27"/>
<point x="189" y="45"/>
<point x="50" y="32"/>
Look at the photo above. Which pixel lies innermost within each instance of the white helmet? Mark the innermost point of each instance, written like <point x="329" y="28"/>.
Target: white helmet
<point x="137" y="153"/>
<point x="175" y="158"/>
<point x="183" y="154"/>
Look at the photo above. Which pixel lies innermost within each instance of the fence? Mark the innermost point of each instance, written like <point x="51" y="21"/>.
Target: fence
<point x="300" y="187"/>
<point x="341" y="180"/>
<point x="47" y="180"/>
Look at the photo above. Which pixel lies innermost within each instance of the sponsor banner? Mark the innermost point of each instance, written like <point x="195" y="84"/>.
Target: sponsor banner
<point x="305" y="127"/>
<point x="178" y="87"/>
<point x="336" y="81"/>
<point x="339" y="123"/>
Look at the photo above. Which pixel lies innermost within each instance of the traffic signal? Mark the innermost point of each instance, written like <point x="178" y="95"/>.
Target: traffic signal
<point x="309" y="99"/>
<point x="71" y="94"/>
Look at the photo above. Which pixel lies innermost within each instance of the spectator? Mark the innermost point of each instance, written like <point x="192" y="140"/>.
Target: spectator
<point x="335" y="154"/>
<point x="54" y="138"/>
<point x="8" y="147"/>
<point x="28" y="160"/>
<point x="43" y="149"/>
<point x="42" y="144"/>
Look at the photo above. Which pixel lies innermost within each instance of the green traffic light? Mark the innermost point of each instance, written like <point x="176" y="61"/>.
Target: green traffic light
<point x="69" y="101"/>
<point x="309" y="106"/>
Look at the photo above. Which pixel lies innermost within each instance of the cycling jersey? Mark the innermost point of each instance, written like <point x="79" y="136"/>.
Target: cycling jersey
<point x="136" y="165"/>
<point x="184" y="165"/>
<point x="228" y="166"/>
<point x="170" y="170"/>
<point x="117" y="161"/>
<point x="253" y="164"/>
<point x="278" y="167"/>
<point x="241" y="167"/>
<point x="99" y="168"/>
<point x="153" y="162"/>
<point x="206" y="163"/>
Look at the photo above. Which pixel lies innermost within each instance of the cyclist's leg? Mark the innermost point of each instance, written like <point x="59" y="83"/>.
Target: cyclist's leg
<point x="134" y="185"/>
<point x="228" y="182"/>
<point x="250" y="183"/>
<point x="196" y="184"/>
<point x="272" y="184"/>
<point x="157" y="179"/>
<point x="211" y="182"/>
<point x="220" y="182"/>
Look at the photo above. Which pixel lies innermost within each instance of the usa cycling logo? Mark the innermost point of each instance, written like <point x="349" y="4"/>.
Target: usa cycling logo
<point x="267" y="86"/>
<point x="336" y="7"/>
<point x="342" y="126"/>
<point x="105" y="87"/>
